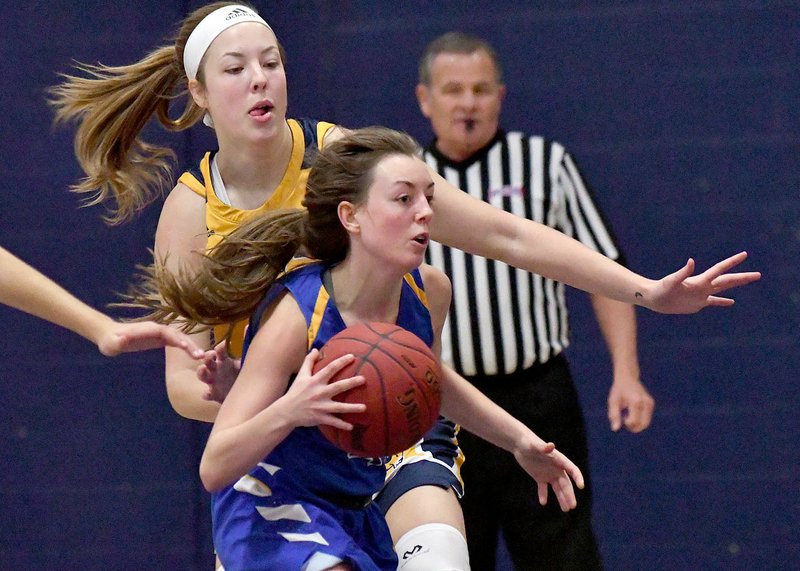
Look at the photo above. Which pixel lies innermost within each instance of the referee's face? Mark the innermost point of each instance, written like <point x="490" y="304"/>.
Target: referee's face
<point x="462" y="102"/>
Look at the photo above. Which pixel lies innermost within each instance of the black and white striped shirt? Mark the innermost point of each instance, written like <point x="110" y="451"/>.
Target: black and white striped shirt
<point x="503" y="319"/>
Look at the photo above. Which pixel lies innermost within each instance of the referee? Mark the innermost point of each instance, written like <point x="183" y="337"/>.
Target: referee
<point x="507" y="329"/>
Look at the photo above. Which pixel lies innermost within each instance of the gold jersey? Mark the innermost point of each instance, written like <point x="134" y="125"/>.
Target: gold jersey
<point x="222" y="219"/>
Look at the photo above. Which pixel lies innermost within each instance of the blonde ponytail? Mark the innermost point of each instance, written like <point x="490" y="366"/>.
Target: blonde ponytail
<point x="111" y="106"/>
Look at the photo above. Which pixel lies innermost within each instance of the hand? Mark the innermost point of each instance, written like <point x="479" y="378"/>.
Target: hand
<point x="681" y="292"/>
<point x="629" y="404"/>
<point x="218" y="371"/>
<point x="131" y="337"/>
<point x="550" y="467"/>
<point x="309" y="399"/>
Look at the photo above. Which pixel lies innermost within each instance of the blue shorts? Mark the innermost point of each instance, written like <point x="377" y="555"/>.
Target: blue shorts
<point x="433" y="461"/>
<point x="413" y="476"/>
<point x="298" y="531"/>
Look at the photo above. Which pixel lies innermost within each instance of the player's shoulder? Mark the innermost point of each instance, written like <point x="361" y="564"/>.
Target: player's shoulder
<point x="182" y="202"/>
<point x="437" y="284"/>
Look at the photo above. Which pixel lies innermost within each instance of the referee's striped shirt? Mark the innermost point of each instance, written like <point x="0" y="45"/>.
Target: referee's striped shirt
<point x="503" y="319"/>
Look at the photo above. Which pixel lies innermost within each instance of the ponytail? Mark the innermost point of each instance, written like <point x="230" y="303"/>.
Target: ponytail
<point x="112" y="105"/>
<point x="231" y="280"/>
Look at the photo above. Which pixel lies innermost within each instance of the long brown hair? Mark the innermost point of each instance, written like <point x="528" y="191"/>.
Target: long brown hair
<point x="235" y="274"/>
<point x="112" y="105"/>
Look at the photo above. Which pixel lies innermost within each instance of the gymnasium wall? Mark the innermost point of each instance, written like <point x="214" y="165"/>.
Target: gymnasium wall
<point x="683" y="116"/>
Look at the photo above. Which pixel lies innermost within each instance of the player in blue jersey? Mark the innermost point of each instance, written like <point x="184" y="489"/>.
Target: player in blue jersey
<point x="284" y="497"/>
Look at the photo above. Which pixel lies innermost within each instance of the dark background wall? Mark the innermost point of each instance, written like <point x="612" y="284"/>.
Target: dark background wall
<point x="684" y="117"/>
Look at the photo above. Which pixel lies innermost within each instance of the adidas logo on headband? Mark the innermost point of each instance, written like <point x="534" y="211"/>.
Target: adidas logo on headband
<point x="237" y="12"/>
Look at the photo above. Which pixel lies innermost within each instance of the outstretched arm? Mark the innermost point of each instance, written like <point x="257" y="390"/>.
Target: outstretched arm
<point x="467" y="406"/>
<point x="28" y="290"/>
<point x="464" y="222"/>
<point x="629" y="403"/>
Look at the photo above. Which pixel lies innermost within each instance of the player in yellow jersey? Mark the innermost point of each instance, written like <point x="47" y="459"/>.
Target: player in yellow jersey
<point x="232" y="64"/>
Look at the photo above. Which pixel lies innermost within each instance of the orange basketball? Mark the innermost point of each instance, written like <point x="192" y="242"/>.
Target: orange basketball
<point x="401" y="389"/>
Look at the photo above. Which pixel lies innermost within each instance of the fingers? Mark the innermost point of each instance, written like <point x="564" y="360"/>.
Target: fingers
<point x="333" y="409"/>
<point x="683" y="273"/>
<point x="221" y="350"/>
<point x="721" y="280"/>
<point x="565" y="493"/>
<point x="614" y="416"/>
<point x="308" y="362"/>
<point x="321" y="395"/>
<point x="131" y="337"/>
<point x="635" y="416"/>
<point x="672" y="280"/>
<point x="207" y="370"/>
<point x="722" y="267"/>
<point x="329" y="370"/>
<point x="336" y="422"/>
<point x="344" y="385"/>
<point x="210" y="359"/>
<point x="714" y="301"/>
<point x="547" y="447"/>
<point x="541" y="488"/>
<point x="563" y="490"/>
<point x="640" y="413"/>
<point x="204" y="375"/>
<point x="574" y="473"/>
<point x="637" y="420"/>
<point x="728" y="281"/>
<point x="177" y="339"/>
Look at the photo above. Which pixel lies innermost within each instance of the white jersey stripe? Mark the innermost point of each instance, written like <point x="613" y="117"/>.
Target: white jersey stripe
<point x="475" y="187"/>
<point x="498" y="192"/>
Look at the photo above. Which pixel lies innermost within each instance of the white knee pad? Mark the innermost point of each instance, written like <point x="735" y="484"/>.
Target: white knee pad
<point x="432" y="547"/>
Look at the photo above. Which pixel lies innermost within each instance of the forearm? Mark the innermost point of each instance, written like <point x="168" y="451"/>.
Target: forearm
<point x="28" y="290"/>
<point x="617" y="323"/>
<point x="231" y="452"/>
<point x="185" y="391"/>
<point x="466" y="405"/>
<point x="495" y="234"/>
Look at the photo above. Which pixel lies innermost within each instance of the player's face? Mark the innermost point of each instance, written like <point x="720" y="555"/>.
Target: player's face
<point x="462" y="102"/>
<point x="245" y="83"/>
<point x="394" y="220"/>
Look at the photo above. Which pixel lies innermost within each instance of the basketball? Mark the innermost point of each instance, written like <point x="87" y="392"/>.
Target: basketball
<point x="401" y="389"/>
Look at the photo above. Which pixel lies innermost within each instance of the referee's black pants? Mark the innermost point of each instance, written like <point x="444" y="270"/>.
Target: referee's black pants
<point x="500" y="495"/>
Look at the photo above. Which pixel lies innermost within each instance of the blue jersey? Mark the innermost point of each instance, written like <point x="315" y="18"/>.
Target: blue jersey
<point x="343" y="474"/>
<point x="299" y="501"/>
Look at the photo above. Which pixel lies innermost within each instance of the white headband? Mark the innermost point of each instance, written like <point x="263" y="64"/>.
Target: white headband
<point x="209" y="28"/>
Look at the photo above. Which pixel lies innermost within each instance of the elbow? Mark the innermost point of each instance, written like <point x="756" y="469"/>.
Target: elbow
<point x="189" y="403"/>
<point x="212" y="480"/>
<point x="176" y="403"/>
